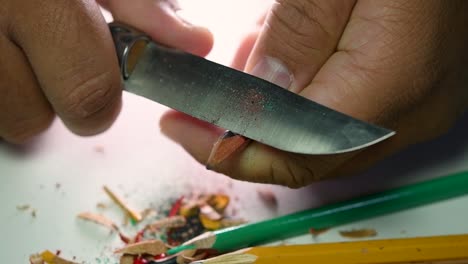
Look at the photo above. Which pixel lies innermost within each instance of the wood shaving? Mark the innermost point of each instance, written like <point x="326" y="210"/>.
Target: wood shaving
<point x="150" y="247"/>
<point x="168" y="222"/>
<point x="210" y="213"/>
<point x="219" y="202"/>
<point x="232" y="259"/>
<point x="49" y="258"/>
<point x="102" y="206"/>
<point x="98" y="219"/>
<point x="126" y="259"/>
<point x="232" y="222"/>
<point x="36" y="259"/>
<point x="359" y="233"/>
<point x="316" y="232"/>
<point x="186" y="256"/>
<point x="23" y="207"/>
<point x="148" y="212"/>
<point x="135" y="215"/>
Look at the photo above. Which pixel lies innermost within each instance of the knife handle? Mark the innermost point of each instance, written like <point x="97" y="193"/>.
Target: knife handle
<point x="129" y="45"/>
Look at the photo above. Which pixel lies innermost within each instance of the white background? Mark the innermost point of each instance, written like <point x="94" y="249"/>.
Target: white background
<point x="136" y="160"/>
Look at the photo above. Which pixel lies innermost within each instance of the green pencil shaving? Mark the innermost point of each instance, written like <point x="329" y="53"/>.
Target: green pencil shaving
<point x="328" y="216"/>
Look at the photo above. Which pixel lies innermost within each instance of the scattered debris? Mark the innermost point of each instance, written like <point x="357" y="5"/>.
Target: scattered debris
<point x="58" y="185"/>
<point x="23" y="207"/>
<point x="268" y="197"/>
<point x="102" y="206"/>
<point x="126" y="259"/>
<point x="359" y="233"/>
<point x="134" y="215"/>
<point x="49" y="258"/>
<point x="99" y="219"/>
<point x="99" y="149"/>
<point x="317" y="232"/>
<point x="150" y="247"/>
<point x="168" y="222"/>
<point x="185" y="219"/>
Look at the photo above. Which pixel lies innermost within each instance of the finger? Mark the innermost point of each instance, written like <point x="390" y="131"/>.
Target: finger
<point x="71" y="52"/>
<point x="159" y="19"/>
<point x="243" y="52"/>
<point x="245" y="48"/>
<point x="302" y="35"/>
<point x="24" y="110"/>
<point x="256" y="163"/>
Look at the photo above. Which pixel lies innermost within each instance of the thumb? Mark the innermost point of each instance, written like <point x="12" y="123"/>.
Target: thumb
<point x="160" y="21"/>
<point x="302" y="34"/>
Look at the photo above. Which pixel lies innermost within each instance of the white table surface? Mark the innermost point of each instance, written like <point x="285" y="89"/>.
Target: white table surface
<point x="135" y="159"/>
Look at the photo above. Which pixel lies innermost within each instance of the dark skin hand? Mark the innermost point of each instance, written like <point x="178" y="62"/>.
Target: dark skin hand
<point x="399" y="64"/>
<point x="58" y="58"/>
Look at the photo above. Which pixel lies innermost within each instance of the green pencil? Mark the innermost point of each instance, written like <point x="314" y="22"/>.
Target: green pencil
<point x="331" y="215"/>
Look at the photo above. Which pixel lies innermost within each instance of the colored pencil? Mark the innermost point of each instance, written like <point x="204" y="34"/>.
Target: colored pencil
<point x="438" y="249"/>
<point x="328" y="216"/>
<point x="226" y="145"/>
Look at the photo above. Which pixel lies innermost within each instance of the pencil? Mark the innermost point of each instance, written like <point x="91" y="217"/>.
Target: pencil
<point x="328" y="216"/>
<point x="438" y="249"/>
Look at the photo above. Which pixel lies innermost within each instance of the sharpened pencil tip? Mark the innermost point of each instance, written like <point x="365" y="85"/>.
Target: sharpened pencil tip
<point x="224" y="147"/>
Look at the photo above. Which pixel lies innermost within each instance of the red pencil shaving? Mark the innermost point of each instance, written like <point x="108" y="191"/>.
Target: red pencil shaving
<point x="224" y="147"/>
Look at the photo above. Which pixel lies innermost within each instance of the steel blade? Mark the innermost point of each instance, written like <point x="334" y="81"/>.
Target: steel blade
<point x="246" y="105"/>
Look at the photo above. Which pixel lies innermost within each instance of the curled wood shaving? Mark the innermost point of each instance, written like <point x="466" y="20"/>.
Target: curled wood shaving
<point x="150" y="247"/>
<point x="169" y="222"/>
<point x="136" y="216"/>
<point x="359" y="233"/>
<point x="98" y="219"/>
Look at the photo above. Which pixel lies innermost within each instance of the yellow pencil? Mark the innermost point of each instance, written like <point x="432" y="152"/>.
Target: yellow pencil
<point x="450" y="249"/>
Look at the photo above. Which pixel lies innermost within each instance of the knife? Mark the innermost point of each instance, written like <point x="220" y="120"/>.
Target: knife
<point x="234" y="100"/>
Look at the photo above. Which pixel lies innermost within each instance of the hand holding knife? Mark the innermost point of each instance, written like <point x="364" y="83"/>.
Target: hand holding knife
<point x="237" y="101"/>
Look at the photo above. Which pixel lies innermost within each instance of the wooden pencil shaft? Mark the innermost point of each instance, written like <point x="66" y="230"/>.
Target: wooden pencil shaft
<point x="407" y="250"/>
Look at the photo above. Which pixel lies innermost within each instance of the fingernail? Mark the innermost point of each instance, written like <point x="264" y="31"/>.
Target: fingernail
<point x="273" y="70"/>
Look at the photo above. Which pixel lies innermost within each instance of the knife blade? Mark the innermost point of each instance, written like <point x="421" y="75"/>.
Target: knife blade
<point x="237" y="101"/>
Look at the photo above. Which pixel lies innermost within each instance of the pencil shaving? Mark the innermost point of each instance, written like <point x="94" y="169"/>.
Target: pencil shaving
<point x="230" y="259"/>
<point x="36" y="259"/>
<point x="150" y="247"/>
<point x="98" y="219"/>
<point x="168" y="222"/>
<point x="359" y="233"/>
<point x="23" y="207"/>
<point x="136" y="216"/>
<point x="50" y="258"/>
<point x="126" y="259"/>
<point x="205" y="240"/>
